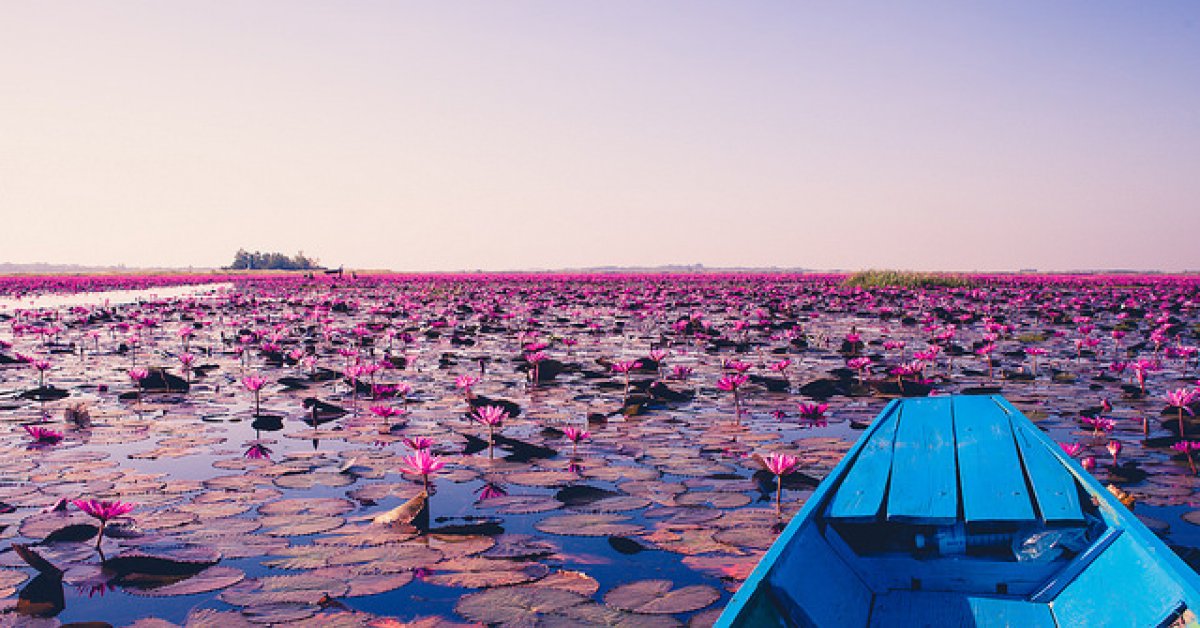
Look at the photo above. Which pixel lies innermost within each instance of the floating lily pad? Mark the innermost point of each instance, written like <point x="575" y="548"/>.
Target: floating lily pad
<point x="601" y="524"/>
<point x="515" y="606"/>
<point x="211" y="579"/>
<point x="660" y="597"/>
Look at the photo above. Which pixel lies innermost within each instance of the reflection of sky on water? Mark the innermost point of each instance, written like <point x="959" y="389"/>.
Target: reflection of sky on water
<point x="111" y="297"/>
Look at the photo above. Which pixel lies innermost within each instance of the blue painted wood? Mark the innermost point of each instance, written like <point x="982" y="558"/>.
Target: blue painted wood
<point x="860" y="496"/>
<point x="1056" y="584"/>
<point x="1124" y="586"/>
<point x="733" y="614"/>
<point x="959" y="574"/>
<point x="924" y="481"/>
<point x="816" y="586"/>
<point x="921" y="608"/>
<point x="990" y="612"/>
<point x="1054" y="487"/>
<point x="989" y="468"/>
<point x="913" y="609"/>
<point x="1116" y="515"/>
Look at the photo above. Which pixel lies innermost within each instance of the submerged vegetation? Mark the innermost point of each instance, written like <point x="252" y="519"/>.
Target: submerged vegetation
<point x="907" y="279"/>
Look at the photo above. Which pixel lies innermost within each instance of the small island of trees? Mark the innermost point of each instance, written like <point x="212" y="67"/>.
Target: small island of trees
<point x="257" y="260"/>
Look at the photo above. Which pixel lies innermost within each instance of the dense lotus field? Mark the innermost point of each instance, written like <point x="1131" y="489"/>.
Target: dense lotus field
<point x="519" y="450"/>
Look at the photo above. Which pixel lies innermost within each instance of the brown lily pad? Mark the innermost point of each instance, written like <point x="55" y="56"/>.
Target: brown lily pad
<point x="658" y="597"/>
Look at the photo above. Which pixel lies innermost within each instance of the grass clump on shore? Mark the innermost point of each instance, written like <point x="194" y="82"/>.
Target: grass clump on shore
<point x="907" y="279"/>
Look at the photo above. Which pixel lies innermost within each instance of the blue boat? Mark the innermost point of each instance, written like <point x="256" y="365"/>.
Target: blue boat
<point x="957" y="511"/>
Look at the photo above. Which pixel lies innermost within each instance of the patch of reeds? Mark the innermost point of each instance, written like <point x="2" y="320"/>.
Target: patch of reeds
<point x="907" y="279"/>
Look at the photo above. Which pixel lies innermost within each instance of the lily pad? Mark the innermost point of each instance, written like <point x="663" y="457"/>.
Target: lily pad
<point x="660" y="598"/>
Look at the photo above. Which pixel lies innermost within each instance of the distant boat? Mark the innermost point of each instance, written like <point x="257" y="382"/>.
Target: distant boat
<point x="957" y="511"/>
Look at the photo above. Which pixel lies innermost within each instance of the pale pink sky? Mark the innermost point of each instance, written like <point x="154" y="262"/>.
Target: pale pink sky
<point x="505" y="135"/>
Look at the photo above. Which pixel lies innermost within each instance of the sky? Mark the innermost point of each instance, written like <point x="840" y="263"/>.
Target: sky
<point x="540" y="135"/>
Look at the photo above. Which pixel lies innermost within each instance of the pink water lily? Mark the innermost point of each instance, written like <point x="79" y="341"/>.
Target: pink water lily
<point x="417" y="443"/>
<point x="1072" y="449"/>
<point x="862" y="365"/>
<point x="813" y="413"/>
<point x="385" y="412"/>
<point x="625" y="368"/>
<point x="493" y="417"/>
<point x="575" y="435"/>
<point x="1181" y="399"/>
<point x="1114" y="449"/>
<point x="464" y="383"/>
<point x="733" y="383"/>
<point x="1187" y="447"/>
<point x="258" y="451"/>
<point x="780" y="465"/>
<point x="105" y="511"/>
<point x="42" y="435"/>
<point x="254" y="384"/>
<point x="41" y="366"/>
<point x="422" y="463"/>
<point x="1099" y="424"/>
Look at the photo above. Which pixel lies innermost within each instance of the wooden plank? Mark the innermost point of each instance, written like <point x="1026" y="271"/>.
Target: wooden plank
<point x="860" y="495"/>
<point x="1054" y="487"/>
<point x="924" y="481"/>
<point x="913" y="609"/>
<point x="990" y="612"/>
<point x="1139" y="591"/>
<point x="989" y="468"/>
<point x="955" y="574"/>
<point x="926" y="608"/>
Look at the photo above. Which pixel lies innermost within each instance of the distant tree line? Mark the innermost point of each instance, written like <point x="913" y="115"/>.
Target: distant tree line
<point x="257" y="260"/>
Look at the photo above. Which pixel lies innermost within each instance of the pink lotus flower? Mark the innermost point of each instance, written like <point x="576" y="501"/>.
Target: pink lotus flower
<point x="1088" y="464"/>
<point x="1182" y="399"/>
<point x="422" y="463"/>
<point x="625" y="366"/>
<point x="1099" y="424"/>
<point x="731" y="383"/>
<point x="105" y="511"/>
<point x="1114" y="449"/>
<point x="814" y="413"/>
<point x="1187" y="447"/>
<point x="681" y="372"/>
<point x="1072" y="449"/>
<point x="780" y="465"/>
<point x="491" y="416"/>
<point x="385" y="412"/>
<point x="418" y="443"/>
<point x="491" y="490"/>
<point x="41" y="365"/>
<point x="733" y="364"/>
<point x="575" y="435"/>
<point x="254" y="384"/>
<point x="137" y="374"/>
<point x="43" y="436"/>
<point x="258" y="451"/>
